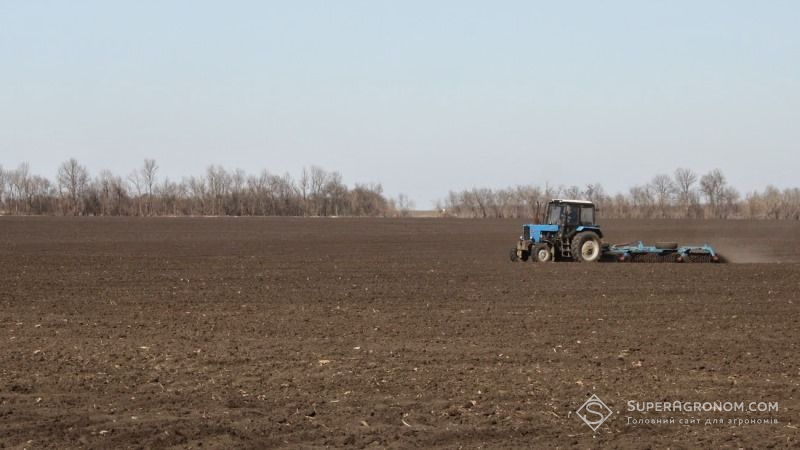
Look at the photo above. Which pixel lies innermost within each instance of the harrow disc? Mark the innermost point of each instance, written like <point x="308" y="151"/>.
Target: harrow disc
<point x="698" y="258"/>
<point x="654" y="257"/>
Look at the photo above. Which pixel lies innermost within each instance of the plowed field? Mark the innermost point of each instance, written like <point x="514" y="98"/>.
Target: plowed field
<point x="240" y="332"/>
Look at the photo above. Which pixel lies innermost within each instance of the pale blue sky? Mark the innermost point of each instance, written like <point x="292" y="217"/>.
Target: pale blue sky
<point x="423" y="96"/>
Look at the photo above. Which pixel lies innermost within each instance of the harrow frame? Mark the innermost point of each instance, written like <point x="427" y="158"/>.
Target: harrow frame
<point x="639" y="252"/>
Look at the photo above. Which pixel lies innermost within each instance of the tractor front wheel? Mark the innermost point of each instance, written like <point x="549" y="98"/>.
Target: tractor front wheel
<point x="542" y="253"/>
<point x="586" y="247"/>
<point x="513" y="255"/>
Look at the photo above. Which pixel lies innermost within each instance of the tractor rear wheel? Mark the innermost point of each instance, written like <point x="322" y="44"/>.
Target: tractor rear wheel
<point x="586" y="247"/>
<point x="541" y="253"/>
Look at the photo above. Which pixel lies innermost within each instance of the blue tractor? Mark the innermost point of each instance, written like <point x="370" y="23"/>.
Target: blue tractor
<point x="569" y="232"/>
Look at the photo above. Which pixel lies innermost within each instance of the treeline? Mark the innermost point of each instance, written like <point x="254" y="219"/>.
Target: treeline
<point x="684" y="194"/>
<point x="317" y="192"/>
<point x="218" y="192"/>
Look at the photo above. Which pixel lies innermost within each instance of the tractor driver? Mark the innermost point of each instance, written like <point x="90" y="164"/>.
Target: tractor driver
<point x="572" y="213"/>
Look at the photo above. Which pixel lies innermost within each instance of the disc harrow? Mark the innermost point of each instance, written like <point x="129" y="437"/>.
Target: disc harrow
<point x="662" y="253"/>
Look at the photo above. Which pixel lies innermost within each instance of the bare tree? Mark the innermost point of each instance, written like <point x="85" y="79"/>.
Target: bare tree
<point x="572" y="192"/>
<point x="663" y="189"/>
<point x="104" y="187"/>
<point x="684" y="184"/>
<point x="137" y="183"/>
<point x="199" y="194"/>
<point x="18" y="185"/>
<point x="218" y="182"/>
<point x="169" y="195"/>
<point x="596" y="194"/>
<point x="791" y="200"/>
<point x="120" y="196"/>
<point x="72" y="182"/>
<point x="620" y="206"/>
<point x="334" y="193"/>
<point x="148" y="179"/>
<point x="713" y="186"/>
<point x="286" y="193"/>
<point x="317" y="179"/>
<point x="642" y="201"/>
<point x="551" y="192"/>
<point x="530" y="201"/>
<point x="238" y="180"/>
<point x="729" y="202"/>
<point x="2" y="189"/>
<point x="772" y="202"/>
<point x="305" y="183"/>
<point x="404" y="204"/>
<point x="42" y="196"/>
<point x="482" y="197"/>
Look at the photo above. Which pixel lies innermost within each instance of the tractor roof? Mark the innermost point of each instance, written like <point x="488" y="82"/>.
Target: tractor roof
<point x="561" y="200"/>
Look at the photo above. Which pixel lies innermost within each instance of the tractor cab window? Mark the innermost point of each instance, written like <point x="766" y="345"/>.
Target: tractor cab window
<point x="554" y="216"/>
<point x="587" y="215"/>
<point x="571" y="215"/>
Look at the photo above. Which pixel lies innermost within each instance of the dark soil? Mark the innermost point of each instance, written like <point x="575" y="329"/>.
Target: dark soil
<point x="234" y="332"/>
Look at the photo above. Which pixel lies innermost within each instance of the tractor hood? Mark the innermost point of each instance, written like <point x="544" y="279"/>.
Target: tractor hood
<point x="534" y="231"/>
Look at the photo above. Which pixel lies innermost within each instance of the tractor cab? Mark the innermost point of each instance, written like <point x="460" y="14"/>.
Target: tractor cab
<point x="569" y="231"/>
<point x="570" y="213"/>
